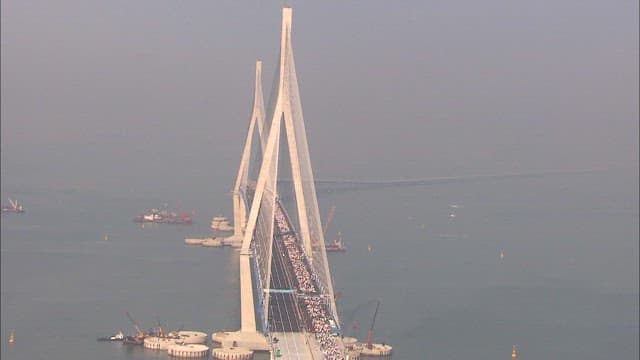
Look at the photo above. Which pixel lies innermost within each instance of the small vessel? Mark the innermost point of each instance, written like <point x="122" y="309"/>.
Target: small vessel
<point x="119" y="336"/>
<point x="163" y="217"/>
<point x="337" y="245"/>
<point x="12" y="338"/>
<point x="221" y="223"/>
<point x="514" y="352"/>
<point x="13" y="207"/>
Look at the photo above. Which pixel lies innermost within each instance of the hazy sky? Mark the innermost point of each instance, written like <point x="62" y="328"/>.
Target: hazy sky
<point x="112" y="92"/>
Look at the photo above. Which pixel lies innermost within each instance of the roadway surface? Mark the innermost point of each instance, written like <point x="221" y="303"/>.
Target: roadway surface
<point x="283" y="307"/>
<point x="297" y="346"/>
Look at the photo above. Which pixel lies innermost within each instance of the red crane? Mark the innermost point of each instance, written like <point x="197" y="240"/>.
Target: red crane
<point x="332" y="212"/>
<point x="370" y="334"/>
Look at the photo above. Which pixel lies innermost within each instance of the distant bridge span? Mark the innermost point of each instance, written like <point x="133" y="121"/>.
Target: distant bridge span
<point x="369" y="184"/>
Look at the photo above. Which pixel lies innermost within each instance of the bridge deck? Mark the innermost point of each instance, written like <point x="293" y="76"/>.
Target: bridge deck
<point x="298" y="310"/>
<point x="297" y="345"/>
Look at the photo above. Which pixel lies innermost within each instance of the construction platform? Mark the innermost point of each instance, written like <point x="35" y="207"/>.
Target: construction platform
<point x="249" y="340"/>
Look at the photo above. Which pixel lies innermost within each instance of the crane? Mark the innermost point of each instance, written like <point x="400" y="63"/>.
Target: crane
<point x="139" y="332"/>
<point x="370" y="334"/>
<point x="160" y="330"/>
<point x="332" y="212"/>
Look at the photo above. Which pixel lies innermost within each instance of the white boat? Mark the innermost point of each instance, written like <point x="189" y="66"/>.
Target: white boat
<point x="13" y="207"/>
<point x="221" y="223"/>
<point x="163" y="216"/>
<point x="119" y="336"/>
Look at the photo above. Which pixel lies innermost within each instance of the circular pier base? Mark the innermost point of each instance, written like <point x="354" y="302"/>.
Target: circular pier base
<point x="349" y="342"/>
<point x="376" y="350"/>
<point x="188" y="351"/>
<point x="352" y="355"/>
<point x="237" y="339"/>
<point x="193" y="241"/>
<point x="232" y="353"/>
<point x="219" y="337"/>
<point x="212" y="242"/>
<point x="158" y="343"/>
<point x="192" y="337"/>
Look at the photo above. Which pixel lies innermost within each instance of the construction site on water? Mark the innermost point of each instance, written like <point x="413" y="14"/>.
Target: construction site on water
<point x="178" y="343"/>
<point x="194" y="344"/>
<point x="287" y="302"/>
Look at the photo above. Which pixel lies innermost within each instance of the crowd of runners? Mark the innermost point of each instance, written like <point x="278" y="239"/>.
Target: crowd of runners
<point x="318" y="318"/>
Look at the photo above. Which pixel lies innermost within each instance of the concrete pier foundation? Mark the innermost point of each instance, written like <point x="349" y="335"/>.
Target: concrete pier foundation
<point x="247" y="340"/>
<point x="192" y="337"/>
<point x="158" y="343"/>
<point x="188" y="351"/>
<point x="232" y="353"/>
<point x="376" y="350"/>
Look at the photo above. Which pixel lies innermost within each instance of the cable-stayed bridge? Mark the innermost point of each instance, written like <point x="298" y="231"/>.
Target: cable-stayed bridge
<point x="287" y="299"/>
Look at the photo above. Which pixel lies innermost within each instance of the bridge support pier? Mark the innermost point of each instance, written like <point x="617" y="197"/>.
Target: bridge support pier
<point x="248" y="340"/>
<point x="234" y="241"/>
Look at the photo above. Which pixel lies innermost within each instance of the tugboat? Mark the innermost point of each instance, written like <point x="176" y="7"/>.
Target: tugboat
<point x="119" y="336"/>
<point x="163" y="217"/>
<point x="13" y="207"/>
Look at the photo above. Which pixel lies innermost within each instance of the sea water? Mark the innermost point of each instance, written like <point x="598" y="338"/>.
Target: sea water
<point x="565" y="287"/>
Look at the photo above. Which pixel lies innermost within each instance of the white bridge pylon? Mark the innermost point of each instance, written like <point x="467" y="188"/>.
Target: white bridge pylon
<point x="251" y="155"/>
<point x="285" y="175"/>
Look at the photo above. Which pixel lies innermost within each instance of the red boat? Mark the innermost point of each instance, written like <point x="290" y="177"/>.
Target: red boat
<point x="337" y="245"/>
